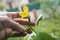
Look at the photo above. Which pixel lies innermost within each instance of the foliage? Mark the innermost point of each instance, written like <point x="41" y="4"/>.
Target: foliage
<point x="50" y="7"/>
<point x="51" y="26"/>
<point x="46" y="29"/>
<point x="43" y="36"/>
<point x="1" y="7"/>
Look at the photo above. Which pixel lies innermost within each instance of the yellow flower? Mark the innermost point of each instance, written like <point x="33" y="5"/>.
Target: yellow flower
<point x="25" y="8"/>
<point x="25" y="13"/>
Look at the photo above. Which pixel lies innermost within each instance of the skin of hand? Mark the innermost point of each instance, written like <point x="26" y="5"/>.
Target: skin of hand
<point x="8" y="25"/>
<point x="16" y="17"/>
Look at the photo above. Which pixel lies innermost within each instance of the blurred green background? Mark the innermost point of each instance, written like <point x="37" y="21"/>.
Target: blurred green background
<point x="48" y="27"/>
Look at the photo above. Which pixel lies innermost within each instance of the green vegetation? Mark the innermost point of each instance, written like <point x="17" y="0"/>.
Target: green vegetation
<point x="49" y="28"/>
<point x="1" y="7"/>
<point x="45" y="29"/>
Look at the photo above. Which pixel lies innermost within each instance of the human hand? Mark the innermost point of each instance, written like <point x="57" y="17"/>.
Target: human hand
<point x="10" y="25"/>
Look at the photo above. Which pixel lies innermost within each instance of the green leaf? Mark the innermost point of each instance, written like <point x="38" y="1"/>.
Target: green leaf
<point x="43" y="36"/>
<point x="39" y="19"/>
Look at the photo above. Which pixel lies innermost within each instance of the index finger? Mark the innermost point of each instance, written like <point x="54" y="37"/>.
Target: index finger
<point x="13" y="15"/>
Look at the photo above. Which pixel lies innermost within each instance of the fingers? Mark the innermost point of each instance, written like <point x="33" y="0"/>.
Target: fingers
<point x="11" y="25"/>
<point x="8" y="31"/>
<point x="24" y="22"/>
<point x="17" y="34"/>
<point x="16" y="17"/>
<point x="5" y="22"/>
<point x="13" y="15"/>
<point x="16" y="26"/>
<point x="19" y="28"/>
<point x="29" y="31"/>
<point x="5" y="33"/>
<point x="2" y="34"/>
<point x="10" y="16"/>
